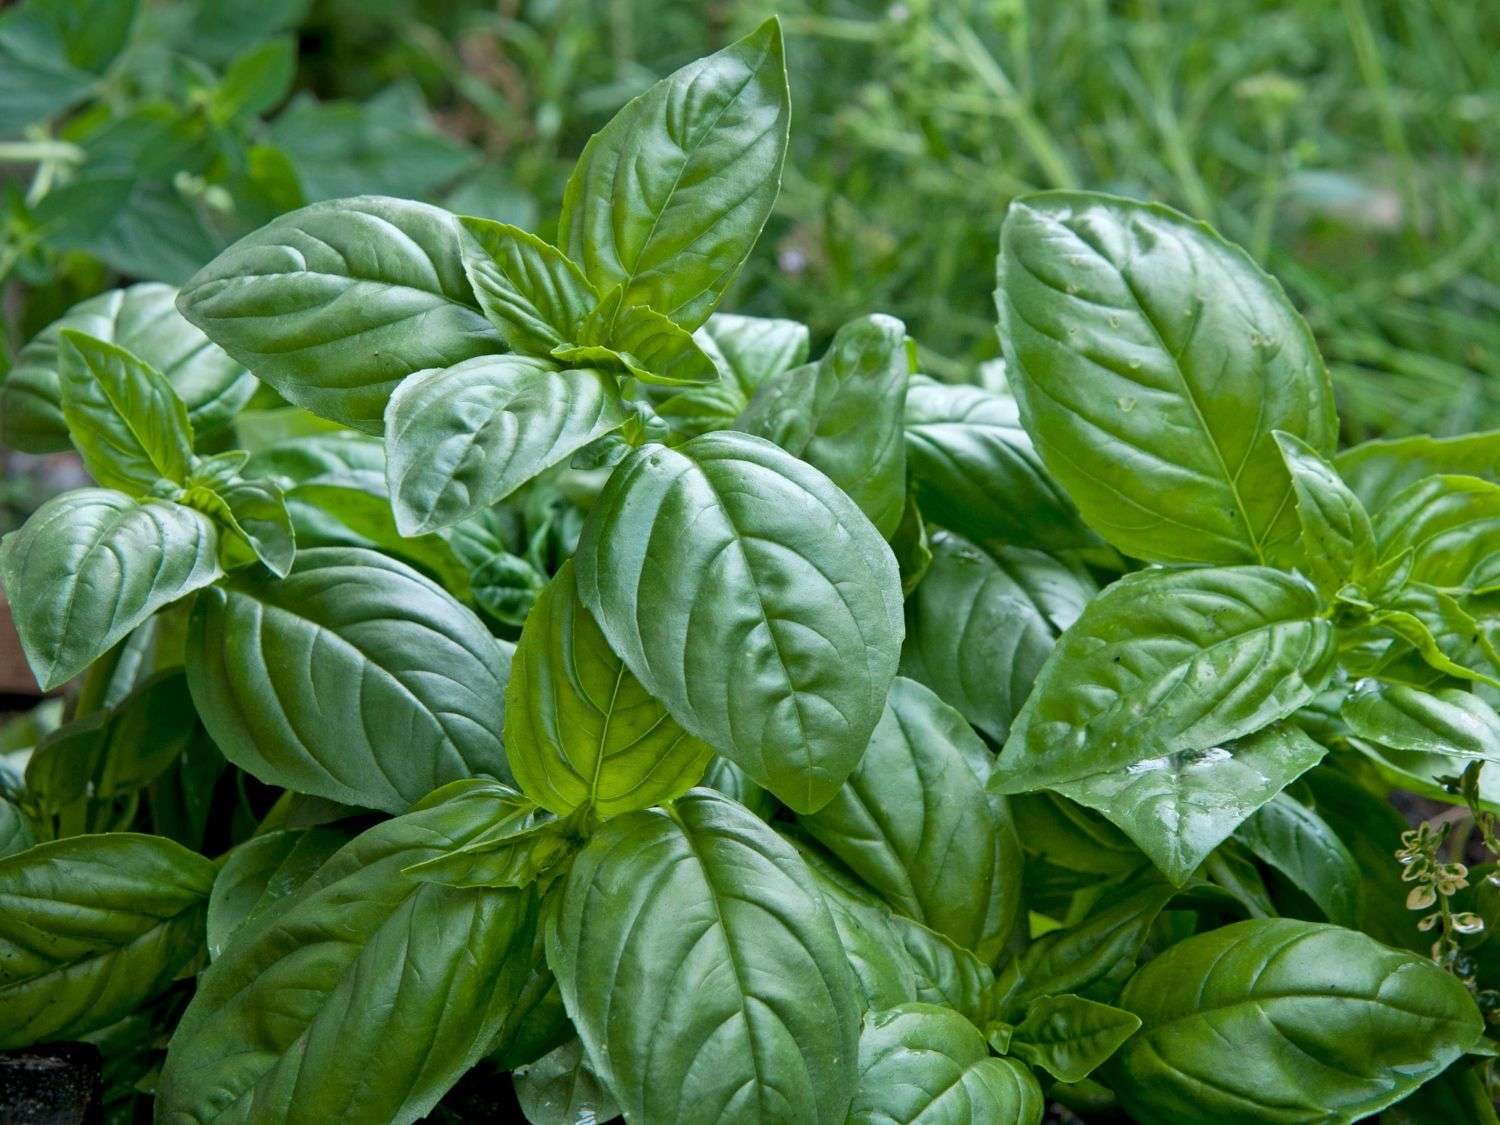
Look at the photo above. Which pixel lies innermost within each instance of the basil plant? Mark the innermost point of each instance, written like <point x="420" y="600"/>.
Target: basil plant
<point x="490" y="658"/>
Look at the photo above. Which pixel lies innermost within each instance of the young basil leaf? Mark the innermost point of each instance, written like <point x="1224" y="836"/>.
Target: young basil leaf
<point x="355" y="679"/>
<point x="641" y="342"/>
<point x="260" y="875"/>
<point x="920" y="1062"/>
<point x="1152" y="360"/>
<point x="528" y="288"/>
<point x="1443" y="721"/>
<point x="502" y="584"/>
<point x="461" y="438"/>
<point x="1280" y="1020"/>
<point x="345" y="935"/>
<point x="843" y="415"/>
<point x="93" y="927"/>
<point x="1338" y="542"/>
<point x="16" y="833"/>
<point x="560" y="1089"/>
<point x="725" y="777"/>
<point x="1178" y="808"/>
<point x="254" y="515"/>
<point x="747" y="350"/>
<point x="911" y="546"/>
<point x="1287" y="835"/>
<point x="91" y="565"/>
<point x="1440" y="630"/>
<point x="979" y="626"/>
<point x="333" y="305"/>
<point x="1379" y="470"/>
<point x="1166" y="661"/>
<point x="1070" y="1037"/>
<point x="699" y="156"/>
<point x="712" y="548"/>
<point x="975" y="472"/>
<point x="918" y="788"/>
<point x="1452" y="526"/>
<point x="580" y="729"/>
<point x="128" y="424"/>
<point x="143" y="320"/>
<point x="703" y="971"/>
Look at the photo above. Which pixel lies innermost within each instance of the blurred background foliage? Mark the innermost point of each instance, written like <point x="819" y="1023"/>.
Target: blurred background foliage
<point x="1349" y="145"/>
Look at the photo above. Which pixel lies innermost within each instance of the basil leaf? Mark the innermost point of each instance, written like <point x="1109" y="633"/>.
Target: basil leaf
<point x="53" y="53"/>
<point x="91" y="565"/>
<point x="345" y="935"/>
<point x="699" y="156"/>
<point x="923" y="1063"/>
<point x="354" y="679"/>
<point x="641" y="342"/>
<point x="528" y="288"/>
<point x="747" y="350"/>
<point x="1379" y="470"/>
<point x="580" y="729"/>
<point x="1287" y="835"/>
<point x="260" y="875"/>
<point x="463" y="437"/>
<point x="1166" y="661"/>
<point x="709" y="548"/>
<point x="702" y="970"/>
<point x="1070" y="1037"/>
<point x="1178" y="808"/>
<point x="91" y="928"/>
<point x="979" y="626"/>
<point x="560" y="1089"/>
<point x="1280" y="1020"/>
<point x="917" y="789"/>
<point x="1137" y="338"/>
<point x="16" y="833"/>
<point x="334" y="304"/>
<point x="1451" y="524"/>
<point x="1338" y="542"/>
<point x="1444" y="721"/>
<point x="843" y="415"/>
<point x="255" y="515"/>
<point x="974" y="470"/>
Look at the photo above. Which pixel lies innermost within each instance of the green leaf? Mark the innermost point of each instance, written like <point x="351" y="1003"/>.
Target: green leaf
<point x="528" y="288"/>
<point x="1152" y="361"/>
<point x="1379" y="470"/>
<point x="260" y="875"/>
<point x="668" y="199"/>
<point x="283" y="1028"/>
<point x="843" y="415"/>
<point x="1282" y="1021"/>
<point x="355" y="679"/>
<point x="560" y="1089"/>
<point x="16" y="833"/>
<point x="731" y="546"/>
<point x="979" y="626"/>
<point x="91" y="565"/>
<point x="1069" y="1037"/>
<point x="747" y="350"/>
<point x="1166" y="661"/>
<point x="1451" y="524"/>
<point x="703" y="971"/>
<point x="333" y="305"/>
<point x="255" y="516"/>
<point x="1287" y="835"/>
<point x="91" y="928"/>
<point x="256" y="80"/>
<point x="974" y="470"/>
<point x="1443" y="721"/>
<point x="1179" y="807"/>
<point x="919" y="788"/>
<point x="1440" y="630"/>
<point x="144" y="321"/>
<point x="580" y="729"/>
<point x="53" y="52"/>
<point x="524" y="847"/>
<point x="460" y="438"/>
<point x="641" y="342"/>
<point x="1338" y="542"/>
<point x="923" y="1063"/>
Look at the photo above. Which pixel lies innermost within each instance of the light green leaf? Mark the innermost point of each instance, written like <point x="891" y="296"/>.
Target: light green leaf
<point x="747" y="350"/>
<point x="1379" y="470"/>
<point x="668" y="199"/>
<point x="729" y="545"/>
<point x="1452" y="526"/>
<point x="640" y="342"/>
<point x="1284" y="1021"/>
<point x="91" y="565"/>
<point x="1069" y="1037"/>
<point x="333" y="305"/>
<point x="1152" y="360"/>
<point x="528" y="288"/>
<point x="355" y="679"/>
<point x="560" y="1089"/>
<point x="16" y="833"/>
<point x="1443" y="721"/>
<point x="1338" y="543"/>
<point x="1287" y="835"/>
<point x="255" y="516"/>
<point x="703" y="971"/>
<point x="260" y="875"/>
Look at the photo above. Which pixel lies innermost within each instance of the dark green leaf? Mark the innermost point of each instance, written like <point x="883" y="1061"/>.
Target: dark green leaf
<point x="1068" y="1036"/>
<point x="262" y="873"/>
<point x="747" y="350"/>
<point x="560" y="1089"/>
<point x="53" y="52"/>
<point x="1287" y="835"/>
<point x="1443" y="721"/>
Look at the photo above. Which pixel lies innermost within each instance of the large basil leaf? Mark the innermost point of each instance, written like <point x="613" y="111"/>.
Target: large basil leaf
<point x="1285" y="1021"/>
<point x="285" y="1025"/>
<point x="1379" y="470"/>
<point x="460" y="438"/>
<point x="1444" y="721"/>
<point x="979" y="626"/>
<point x="1178" y="808"/>
<point x="580" y="729"/>
<point x="747" y="350"/>
<point x="974" y="470"/>
<point x="1287" y="835"/>
<point x="91" y="565"/>
<point x="1068" y="1036"/>
<point x="1152" y="360"/>
<point x="336" y="303"/>
<point x="843" y="415"/>
<point x="729" y="545"/>
<point x="91" y="928"/>
<point x="703" y="971"/>
<point x="1166" y="661"/>
<point x="145" y="322"/>
<point x="923" y="1063"/>
<point x="261" y="873"/>
<point x="1451" y="524"/>
<point x="355" y="679"/>
<point x="529" y="289"/>
<point x="1338" y="541"/>
<point x="918" y="790"/>
<point x="669" y="197"/>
